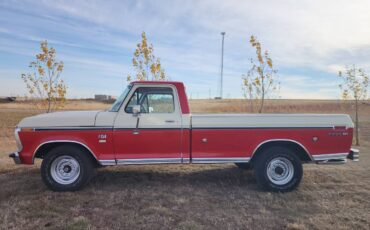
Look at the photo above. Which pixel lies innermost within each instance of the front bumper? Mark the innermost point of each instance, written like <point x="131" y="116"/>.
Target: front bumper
<point x="15" y="157"/>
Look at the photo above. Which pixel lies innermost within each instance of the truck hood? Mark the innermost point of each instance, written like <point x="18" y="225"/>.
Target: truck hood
<point x="60" y="119"/>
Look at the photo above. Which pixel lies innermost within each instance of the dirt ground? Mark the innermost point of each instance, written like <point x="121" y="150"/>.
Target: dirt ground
<point x="188" y="196"/>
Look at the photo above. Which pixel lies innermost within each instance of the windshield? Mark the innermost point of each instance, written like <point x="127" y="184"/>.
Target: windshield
<point x="117" y="104"/>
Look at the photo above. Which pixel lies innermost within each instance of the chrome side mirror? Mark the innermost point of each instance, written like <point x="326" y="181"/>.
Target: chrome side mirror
<point x="136" y="110"/>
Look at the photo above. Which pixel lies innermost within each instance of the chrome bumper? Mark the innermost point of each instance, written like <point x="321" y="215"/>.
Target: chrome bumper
<point x="15" y="157"/>
<point x="337" y="158"/>
<point x="354" y="155"/>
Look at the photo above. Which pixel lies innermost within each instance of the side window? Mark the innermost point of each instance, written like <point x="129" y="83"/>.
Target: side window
<point x="161" y="103"/>
<point x="152" y="100"/>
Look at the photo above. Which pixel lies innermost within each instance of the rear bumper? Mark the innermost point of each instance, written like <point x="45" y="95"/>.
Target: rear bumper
<point x="15" y="157"/>
<point x="354" y="155"/>
<point x="337" y="158"/>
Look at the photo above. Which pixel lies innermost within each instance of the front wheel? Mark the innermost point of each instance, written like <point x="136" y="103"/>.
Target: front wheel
<point x="278" y="169"/>
<point x="66" y="168"/>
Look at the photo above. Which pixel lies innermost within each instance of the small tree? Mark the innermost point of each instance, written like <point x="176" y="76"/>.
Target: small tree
<point x="259" y="82"/>
<point x="354" y="86"/>
<point x="146" y="65"/>
<point x="44" y="82"/>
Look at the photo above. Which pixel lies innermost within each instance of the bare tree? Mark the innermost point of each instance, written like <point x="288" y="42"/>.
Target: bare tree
<point x="146" y="65"/>
<point x="355" y="85"/>
<point x="259" y="83"/>
<point x="44" y="82"/>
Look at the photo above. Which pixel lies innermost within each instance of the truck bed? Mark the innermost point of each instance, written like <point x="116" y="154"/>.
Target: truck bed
<point x="236" y="137"/>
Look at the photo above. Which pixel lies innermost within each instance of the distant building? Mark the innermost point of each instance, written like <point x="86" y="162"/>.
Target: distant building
<point x="103" y="97"/>
<point x="7" y="99"/>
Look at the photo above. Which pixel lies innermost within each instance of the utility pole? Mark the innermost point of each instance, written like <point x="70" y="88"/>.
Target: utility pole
<point x="222" y="63"/>
<point x="356" y="108"/>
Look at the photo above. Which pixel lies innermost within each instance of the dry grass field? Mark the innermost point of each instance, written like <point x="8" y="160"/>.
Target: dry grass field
<point x="188" y="196"/>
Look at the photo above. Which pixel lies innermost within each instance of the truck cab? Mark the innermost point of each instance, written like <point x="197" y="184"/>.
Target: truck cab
<point x="156" y="123"/>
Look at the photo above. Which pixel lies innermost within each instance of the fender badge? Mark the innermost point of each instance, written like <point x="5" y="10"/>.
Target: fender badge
<point x="102" y="138"/>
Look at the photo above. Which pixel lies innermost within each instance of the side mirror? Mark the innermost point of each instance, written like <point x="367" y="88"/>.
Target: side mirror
<point x="136" y="110"/>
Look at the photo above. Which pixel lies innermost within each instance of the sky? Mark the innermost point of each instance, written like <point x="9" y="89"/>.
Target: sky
<point x="309" y="42"/>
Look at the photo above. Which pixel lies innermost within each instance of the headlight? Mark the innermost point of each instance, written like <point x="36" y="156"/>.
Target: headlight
<point x="17" y="139"/>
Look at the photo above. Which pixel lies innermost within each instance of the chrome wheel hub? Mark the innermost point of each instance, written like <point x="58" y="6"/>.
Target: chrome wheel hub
<point x="280" y="171"/>
<point x="65" y="169"/>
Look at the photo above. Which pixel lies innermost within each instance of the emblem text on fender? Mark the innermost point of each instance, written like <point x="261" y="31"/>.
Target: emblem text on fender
<point x="102" y="138"/>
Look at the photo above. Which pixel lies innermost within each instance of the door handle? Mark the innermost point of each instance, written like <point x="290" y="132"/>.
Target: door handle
<point x="136" y="132"/>
<point x="169" y="121"/>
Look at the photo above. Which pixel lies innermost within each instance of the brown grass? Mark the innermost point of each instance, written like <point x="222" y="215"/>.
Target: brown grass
<point x="188" y="196"/>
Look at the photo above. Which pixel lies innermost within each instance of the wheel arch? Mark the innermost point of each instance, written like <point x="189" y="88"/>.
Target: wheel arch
<point x="296" y="146"/>
<point x="45" y="147"/>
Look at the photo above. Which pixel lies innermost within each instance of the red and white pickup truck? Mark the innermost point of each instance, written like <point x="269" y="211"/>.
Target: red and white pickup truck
<point x="150" y="123"/>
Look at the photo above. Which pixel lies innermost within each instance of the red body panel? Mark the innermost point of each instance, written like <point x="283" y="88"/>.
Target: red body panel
<point x="150" y="143"/>
<point x="186" y="143"/>
<point x="243" y="142"/>
<point x="32" y="140"/>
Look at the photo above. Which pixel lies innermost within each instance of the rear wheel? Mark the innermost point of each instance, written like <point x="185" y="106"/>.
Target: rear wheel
<point x="278" y="169"/>
<point x="67" y="168"/>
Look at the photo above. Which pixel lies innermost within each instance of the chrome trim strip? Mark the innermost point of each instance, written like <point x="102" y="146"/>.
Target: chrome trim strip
<point x="149" y="161"/>
<point x="333" y="156"/>
<point x="186" y="160"/>
<point x="220" y="160"/>
<point x="107" y="162"/>
<point x="50" y="128"/>
<point x="62" y="141"/>
<point x="286" y="140"/>
<point x="140" y="128"/>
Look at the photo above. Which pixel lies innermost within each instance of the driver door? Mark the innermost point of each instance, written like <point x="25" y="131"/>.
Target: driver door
<point x="153" y="135"/>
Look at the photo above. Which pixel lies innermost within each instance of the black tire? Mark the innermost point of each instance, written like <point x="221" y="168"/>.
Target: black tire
<point x="71" y="158"/>
<point x="244" y="166"/>
<point x="273" y="169"/>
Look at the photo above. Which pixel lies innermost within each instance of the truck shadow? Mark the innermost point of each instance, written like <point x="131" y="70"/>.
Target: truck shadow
<point x="28" y="180"/>
<point x="157" y="177"/>
<point x="198" y="176"/>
